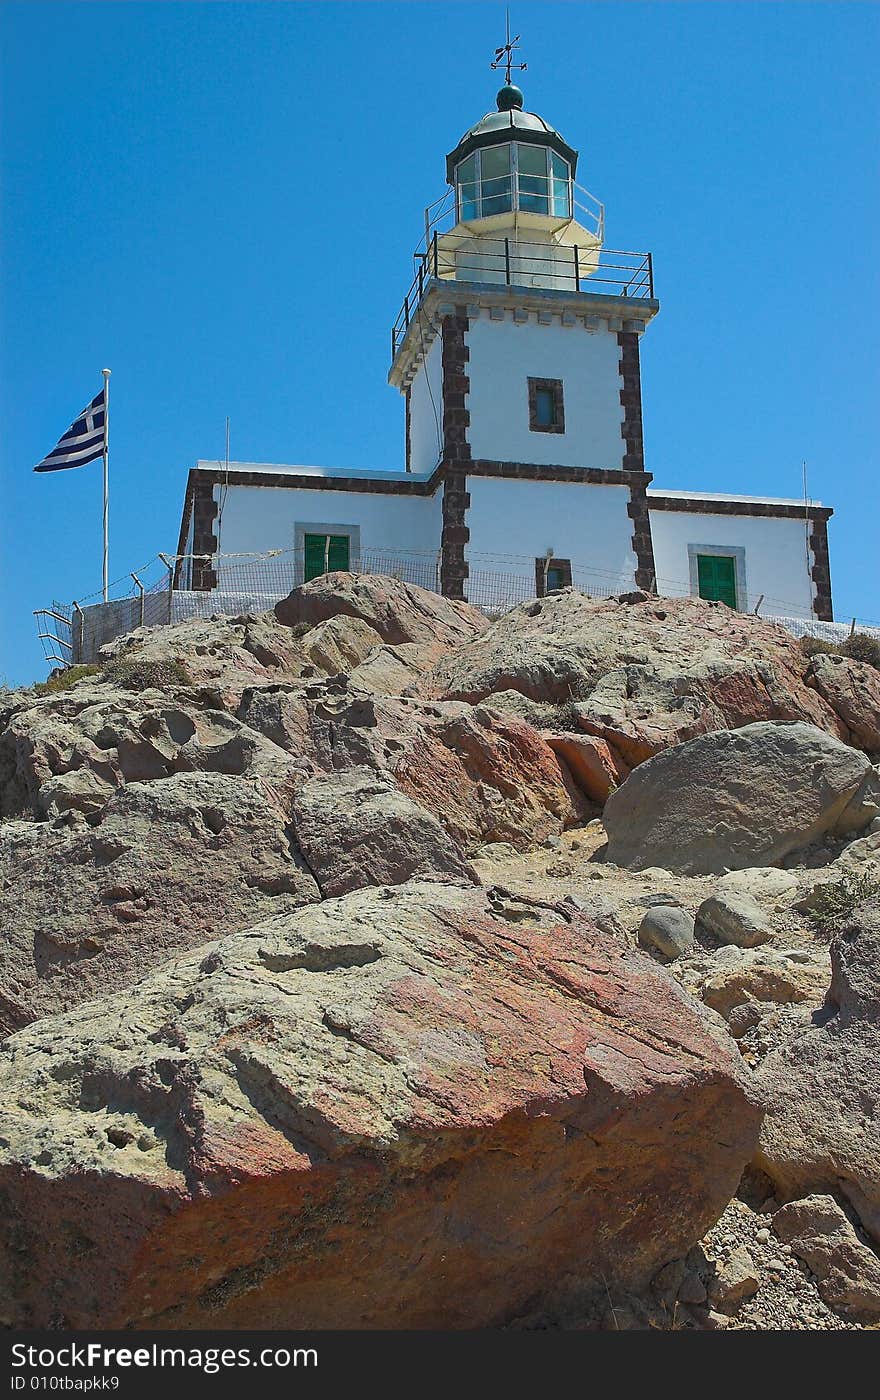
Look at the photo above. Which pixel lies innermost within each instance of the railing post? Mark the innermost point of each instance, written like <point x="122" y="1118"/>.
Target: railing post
<point x="507" y="260"/>
<point x="436" y="263"/>
<point x="406" y="310"/>
<point x="577" y="270"/>
<point x="140" y="588"/>
<point x="393" y="344"/>
<point x="170" y="567"/>
<point x="421" y="277"/>
<point x="651" y="275"/>
<point x="76" y="652"/>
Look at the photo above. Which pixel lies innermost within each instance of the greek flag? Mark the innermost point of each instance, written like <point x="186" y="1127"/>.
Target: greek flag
<point x="83" y="441"/>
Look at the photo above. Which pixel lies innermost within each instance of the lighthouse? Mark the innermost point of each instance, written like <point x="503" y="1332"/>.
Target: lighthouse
<point x="517" y="350"/>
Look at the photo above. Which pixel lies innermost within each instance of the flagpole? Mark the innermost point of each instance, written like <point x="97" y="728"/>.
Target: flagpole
<point x="106" y="374"/>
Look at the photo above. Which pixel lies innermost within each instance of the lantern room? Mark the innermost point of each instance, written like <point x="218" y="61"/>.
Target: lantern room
<point x="517" y="214"/>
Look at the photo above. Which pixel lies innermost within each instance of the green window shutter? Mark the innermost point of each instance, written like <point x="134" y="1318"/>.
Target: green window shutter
<point x="314" y="556"/>
<point x="716" y="576"/>
<point x="323" y="552"/>
<point x="339" y="554"/>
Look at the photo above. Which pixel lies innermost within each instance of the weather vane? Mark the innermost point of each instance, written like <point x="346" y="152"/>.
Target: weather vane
<point x="504" y="55"/>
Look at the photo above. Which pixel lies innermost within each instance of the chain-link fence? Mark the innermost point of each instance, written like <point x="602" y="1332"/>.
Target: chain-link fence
<point x="172" y="588"/>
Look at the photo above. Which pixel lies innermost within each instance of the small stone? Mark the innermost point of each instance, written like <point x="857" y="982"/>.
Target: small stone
<point x="763" y="1236"/>
<point x="667" y="928"/>
<point x="736" y="1281"/>
<point x="734" y="917"/>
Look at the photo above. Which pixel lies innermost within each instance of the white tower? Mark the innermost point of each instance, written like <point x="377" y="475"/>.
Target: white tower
<point x="517" y="347"/>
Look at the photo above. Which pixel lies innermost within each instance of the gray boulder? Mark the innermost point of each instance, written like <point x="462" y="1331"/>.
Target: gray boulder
<point x="734" y="917"/>
<point x="821" y="1131"/>
<point x="356" y="829"/>
<point x="669" y="929"/>
<point x="736" y="798"/>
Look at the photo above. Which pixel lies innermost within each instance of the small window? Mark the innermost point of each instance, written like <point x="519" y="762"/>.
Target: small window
<point x="546" y="410"/>
<point x="495" y="180"/>
<point x="468" y="192"/>
<point x="551" y="574"/>
<point x="716" y="578"/>
<point x="324" y="554"/>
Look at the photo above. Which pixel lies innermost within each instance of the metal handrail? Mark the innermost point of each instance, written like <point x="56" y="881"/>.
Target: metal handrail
<point x="620" y="273"/>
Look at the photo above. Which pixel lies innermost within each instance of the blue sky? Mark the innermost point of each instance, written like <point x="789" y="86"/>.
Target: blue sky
<point x="219" y="201"/>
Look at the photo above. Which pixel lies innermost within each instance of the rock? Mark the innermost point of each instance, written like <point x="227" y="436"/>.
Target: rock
<point x="852" y="689"/>
<point x="172" y="864"/>
<point x="821" y="1132"/>
<point x="743" y="1017"/>
<point x="393" y="1109"/>
<point x="639" y="672"/>
<point x="847" y="1270"/>
<point x="668" y="929"/>
<point x="736" y="1281"/>
<point x="693" y="1289"/>
<point x="340" y="644"/>
<point x="356" y="830"/>
<point x="766" y="884"/>
<point x="399" y="613"/>
<point x="668" y="1281"/>
<point x="734" y="798"/>
<point x="734" y="917"/>
<point x="765" y="976"/>
<point x="489" y="777"/>
<point x="591" y="763"/>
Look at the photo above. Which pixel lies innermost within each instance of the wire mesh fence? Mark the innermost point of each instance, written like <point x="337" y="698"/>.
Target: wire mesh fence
<point x="174" y="588"/>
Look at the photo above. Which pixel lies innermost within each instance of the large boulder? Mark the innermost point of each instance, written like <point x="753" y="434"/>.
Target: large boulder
<point x="355" y="830"/>
<point x="487" y="776"/>
<point x="418" y="1107"/>
<point x="736" y="798"/>
<point x="420" y="624"/>
<point x="640" y="672"/>
<point x="88" y="910"/>
<point x="852" y="689"/>
<point x="822" y="1087"/>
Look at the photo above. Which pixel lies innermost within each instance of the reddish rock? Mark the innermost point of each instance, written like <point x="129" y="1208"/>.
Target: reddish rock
<point x="593" y="764"/>
<point x="852" y="689"/>
<point x="642" y="673"/>
<point x="415" y="1108"/>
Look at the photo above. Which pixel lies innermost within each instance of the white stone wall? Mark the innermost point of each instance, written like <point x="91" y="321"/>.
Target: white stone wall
<point x="512" y="523"/>
<point x="260" y="518"/>
<point x="773" y="553"/>
<point x="503" y="354"/>
<point x="425" y="437"/>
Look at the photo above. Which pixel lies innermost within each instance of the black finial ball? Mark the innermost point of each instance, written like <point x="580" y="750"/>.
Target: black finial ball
<point x="509" y="97"/>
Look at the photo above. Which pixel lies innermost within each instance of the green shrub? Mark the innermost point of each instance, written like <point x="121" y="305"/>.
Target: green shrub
<point x="834" y="903"/>
<point x="65" y="679"/>
<point x="858" y="647"/>
<point x="862" y="648"/>
<point x="134" y="673"/>
<point x="814" y="646"/>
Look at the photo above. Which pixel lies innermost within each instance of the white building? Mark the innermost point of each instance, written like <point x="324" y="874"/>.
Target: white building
<point x="517" y="354"/>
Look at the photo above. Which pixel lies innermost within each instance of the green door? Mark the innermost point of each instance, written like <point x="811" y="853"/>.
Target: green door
<point x="323" y="553"/>
<point x="716" y="575"/>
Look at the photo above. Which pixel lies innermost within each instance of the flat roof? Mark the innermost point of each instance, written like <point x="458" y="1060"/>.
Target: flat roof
<point x="728" y="496"/>
<point x="299" y="469"/>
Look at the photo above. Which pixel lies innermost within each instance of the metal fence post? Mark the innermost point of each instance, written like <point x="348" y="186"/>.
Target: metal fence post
<point x="577" y="269"/>
<point x="76" y="654"/>
<point x="140" y="588"/>
<point x="507" y="261"/>
<point x="170" y="567"/>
